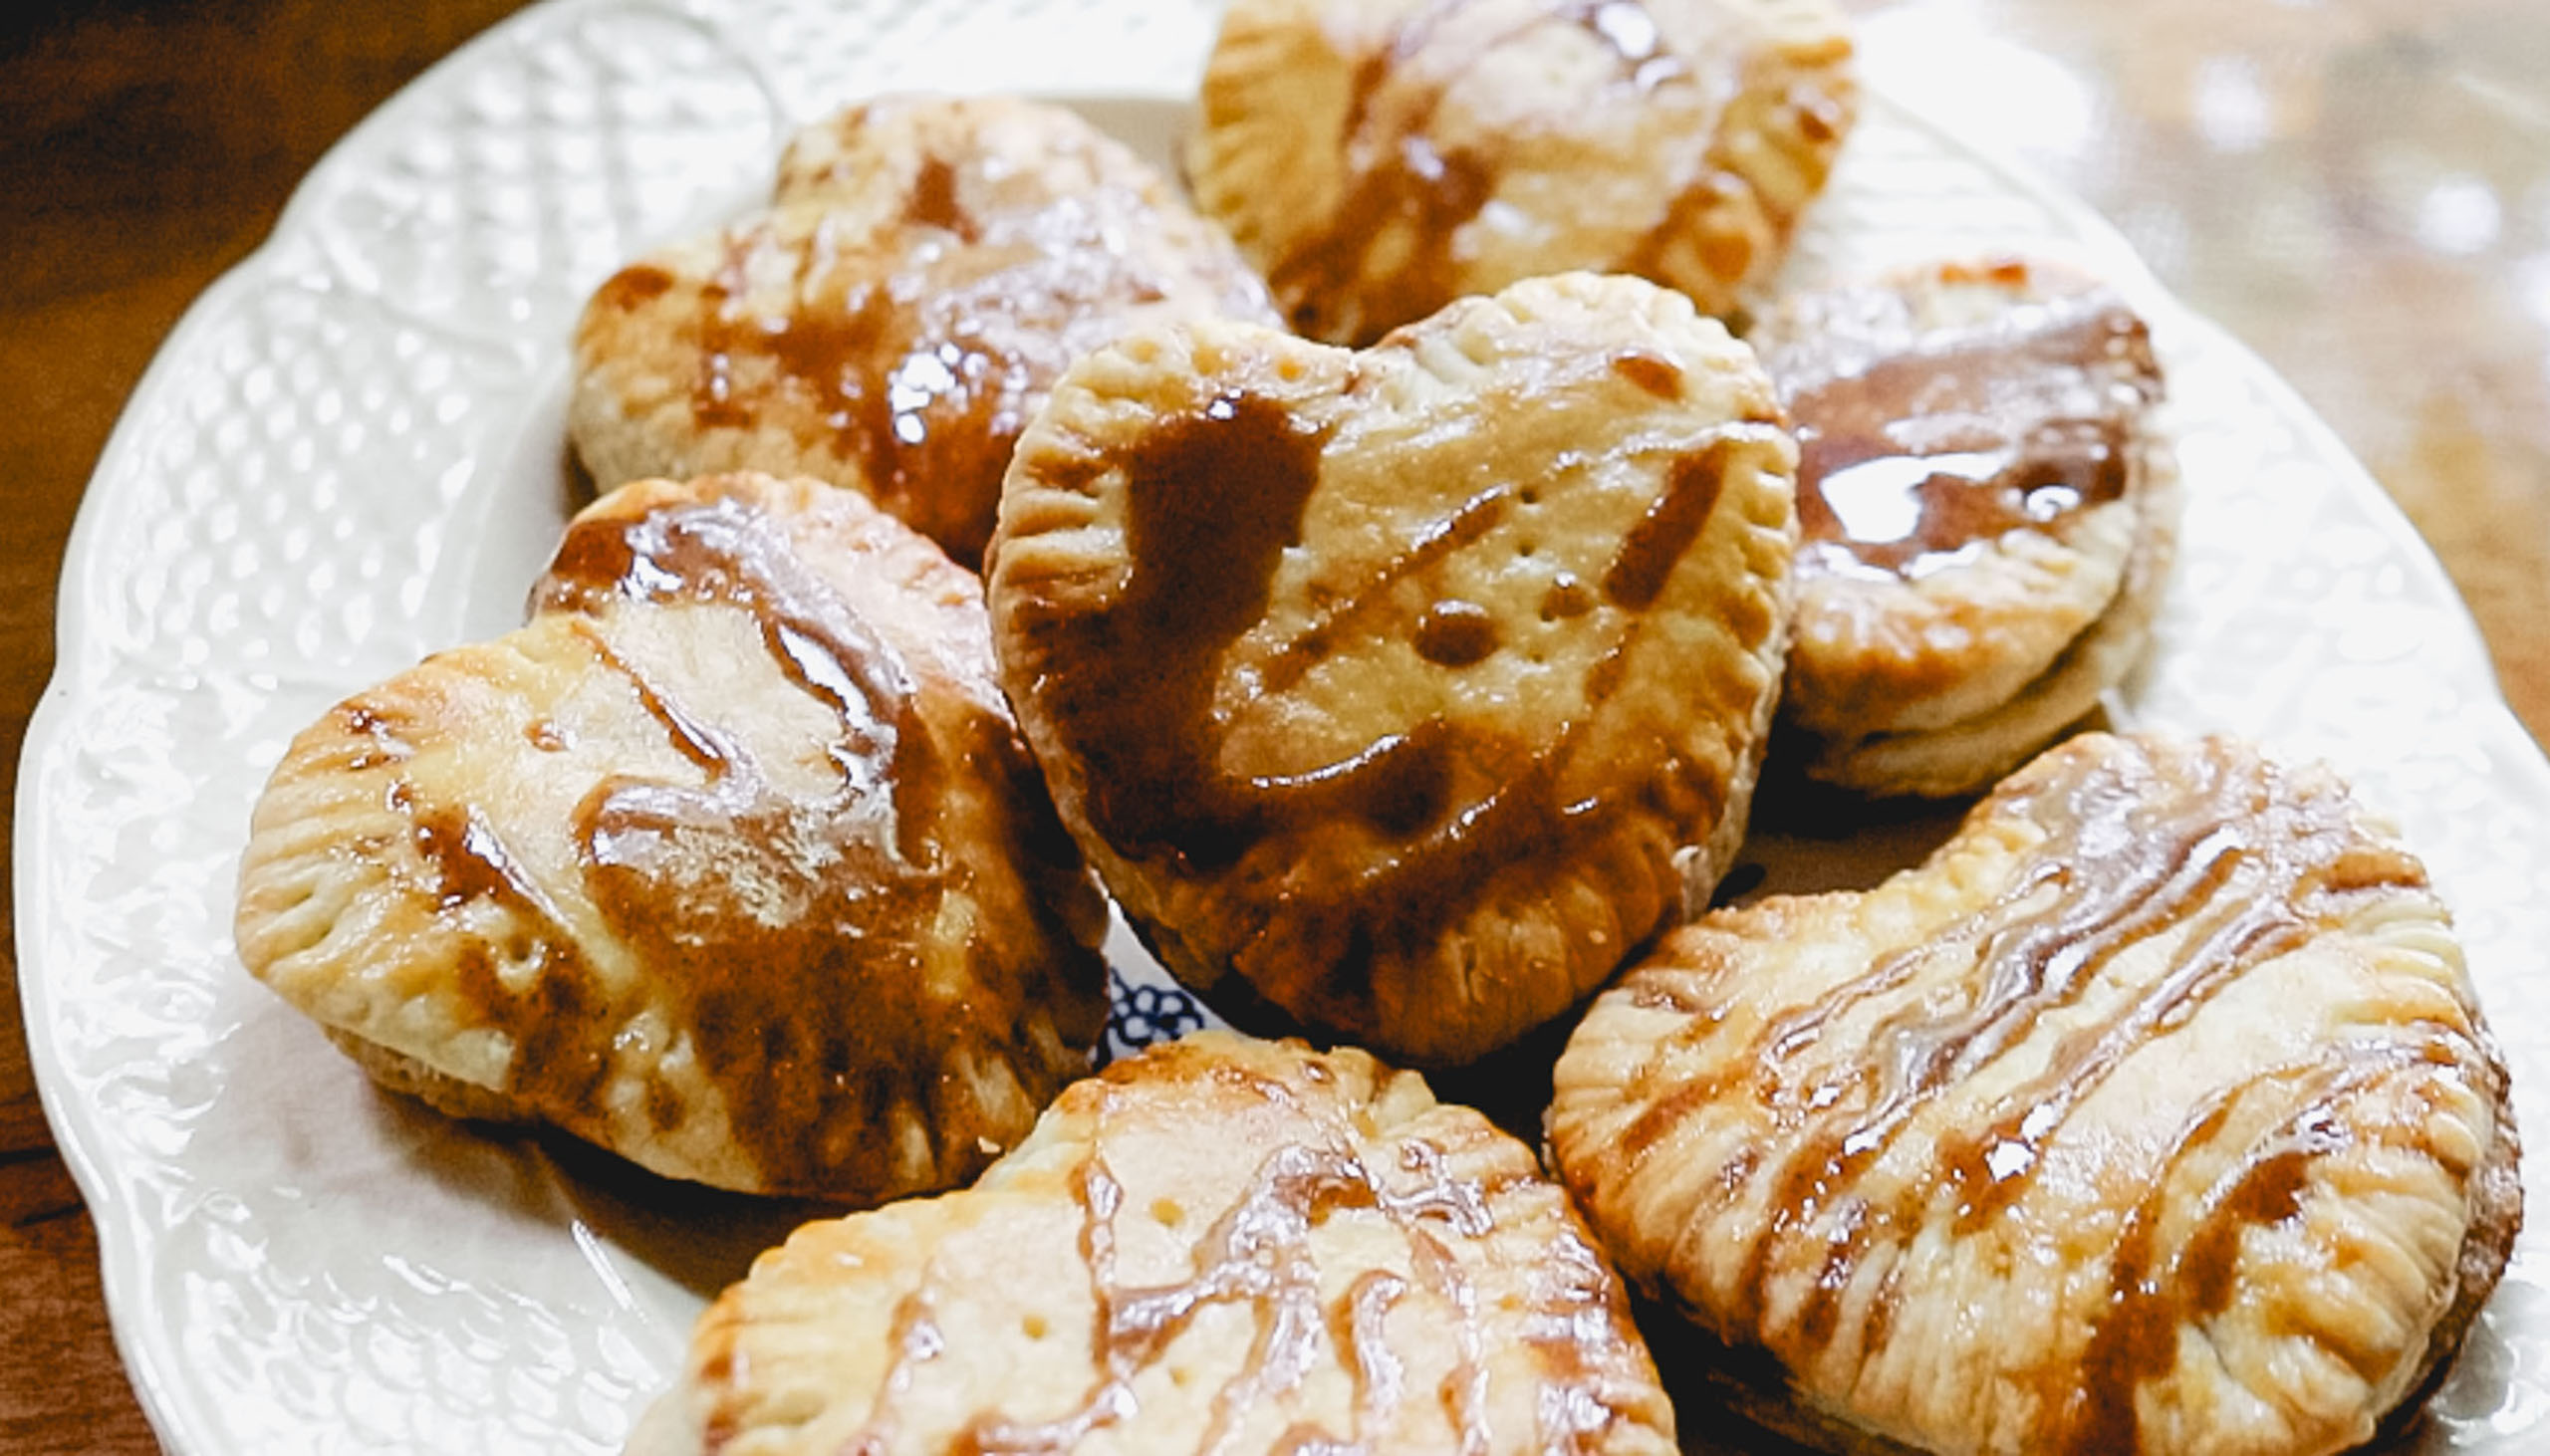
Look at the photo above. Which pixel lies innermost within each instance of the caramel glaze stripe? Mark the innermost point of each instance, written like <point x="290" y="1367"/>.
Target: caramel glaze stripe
<point x="2089" y="1406"/>
<point x="1381" y="1380"/>
<point x="727" y="553"/>
<point x="724" y="551"/>
<point x="1714" y="179"/>
<point x="2039" y="428"/>
<point x="916" y="1340"/>
<point x="1476" y="516"/>
<point x="1526" y="813"/>
<point x="1258" y="1252"/>
<point x="2033" y="962"/>
<point x="2053" y="965"/>
<point x="1487" y="509"/>
<point x="1410" y="177"/>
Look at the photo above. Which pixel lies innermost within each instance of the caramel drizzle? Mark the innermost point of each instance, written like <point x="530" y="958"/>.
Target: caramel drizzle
<point x="1909" y="461"/>
<point x="1258" y="1253"/>
<point x="1577" y="1310"/>
<point x="1380" y="1382"/>
<point x="2247" y="872"/>
<point x="1717" y="180"/>
<point x="1397" y="173"/>
<point x="924" y="366"/>
<point x="1459" y="633"/>
<point x="553" y="1065"/>
<point x="661" y="865"/>
<point x="1212" y="502"/>
<point x="789" y="1082"/>
<point x="916" y="1339"/>
<point x="1525" y="815"/>
<point x="2151" y="1298"/>
<point x="1715" y="183"/>
<point x="1476" y="516"/>
<point x="725" y="552"/>
<point x="380" y="743"/>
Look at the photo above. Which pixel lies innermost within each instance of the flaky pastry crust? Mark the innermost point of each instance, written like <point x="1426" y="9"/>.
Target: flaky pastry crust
<point x="2154" y="1114"/>
<point x="1379" y="159"/>
<point x="926" y="268"/>
<point x="1221" y="1245"/>
<point x="1989" y="511"/>
<point x="1404" y="691"/>
<point x="731" y="861"/>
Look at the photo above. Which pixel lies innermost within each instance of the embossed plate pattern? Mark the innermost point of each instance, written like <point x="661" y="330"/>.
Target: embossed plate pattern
<point x="347" y="454"/>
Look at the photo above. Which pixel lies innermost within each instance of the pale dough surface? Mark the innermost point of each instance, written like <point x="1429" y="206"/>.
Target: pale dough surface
<point x="731" y="861"/>
<point x="1221" y="1244"/>
<point x="2154" y="1114"/>
<point x="1487" y="706"/>
<point x="925" y="269"/>
<point x="1379" y="159"/>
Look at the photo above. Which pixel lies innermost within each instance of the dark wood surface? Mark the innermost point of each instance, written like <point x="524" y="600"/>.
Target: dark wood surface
<point x="144" y="147"/>
<point x="2360" y="188"/>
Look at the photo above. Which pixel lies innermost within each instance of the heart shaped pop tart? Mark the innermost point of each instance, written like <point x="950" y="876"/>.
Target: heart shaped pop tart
<point x="730" y="860"/>
<point x="1379" y="158"/>
<point x="2152" y="1113"/>
<point x="1221" y="1244"/>
<point x="926" y="270"/>
<point x="1406" y="690"/>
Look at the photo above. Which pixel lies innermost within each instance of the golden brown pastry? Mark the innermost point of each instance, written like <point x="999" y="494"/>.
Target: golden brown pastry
<point x="1989" y="511"/>
<point x="1404" y="691"/>
<point x="2152" y="1113"/>
<point x="731" y="861"/>
<point x="1222" y="1244"/>
<point x="927" y="266"/>
<point x="1379" y="159"/>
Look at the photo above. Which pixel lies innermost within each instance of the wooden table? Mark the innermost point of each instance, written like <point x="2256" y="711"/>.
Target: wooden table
<point x="2360" y="188"/>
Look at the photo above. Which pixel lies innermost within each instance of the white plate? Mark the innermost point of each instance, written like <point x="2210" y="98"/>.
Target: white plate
<point x="348" y="454"/>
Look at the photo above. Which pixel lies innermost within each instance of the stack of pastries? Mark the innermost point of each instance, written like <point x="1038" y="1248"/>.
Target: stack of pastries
<point x="1405" y="681"/>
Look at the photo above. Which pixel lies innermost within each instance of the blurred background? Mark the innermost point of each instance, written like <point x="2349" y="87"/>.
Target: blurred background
<point x="2357" y="188"/>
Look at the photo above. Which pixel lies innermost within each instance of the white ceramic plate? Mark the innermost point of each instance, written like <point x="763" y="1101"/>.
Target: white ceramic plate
<point x="348" y="454"/>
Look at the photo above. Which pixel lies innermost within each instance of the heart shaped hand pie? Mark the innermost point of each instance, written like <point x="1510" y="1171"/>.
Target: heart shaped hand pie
<point x="926" y="269"/>
<point x="1379" y="158"/>
<point x="1988" y="511"/>
<point x="2154" y="1114"/>
<point x="731" y="861"/>
<point x="1222" y="1244"/>
<point x="1405" y="691"/>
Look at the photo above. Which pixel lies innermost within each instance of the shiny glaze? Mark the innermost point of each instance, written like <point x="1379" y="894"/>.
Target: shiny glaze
<point x="1711" y="215"/>
<point x="379" y="742"/>
<point x="551" y="999"/>
<point x="2155" y="1295"/>
<point x="1477" y="516"/>
<point x="1455" y="634"/>
<point x="1656" y="544"/>
<point x="2224" y="854"/>
<point x="1213" y="500"/>
<point x="1260" y="1254"/>
<point x="915" y="352"/>
<point x="1654" y="373"/>
<point x="1408" y="185"/>
<point x="660" y="860"/>
<point x="1908" y="460"/>
<point x="633" y="288"/>
<point x="742" y="906"/>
